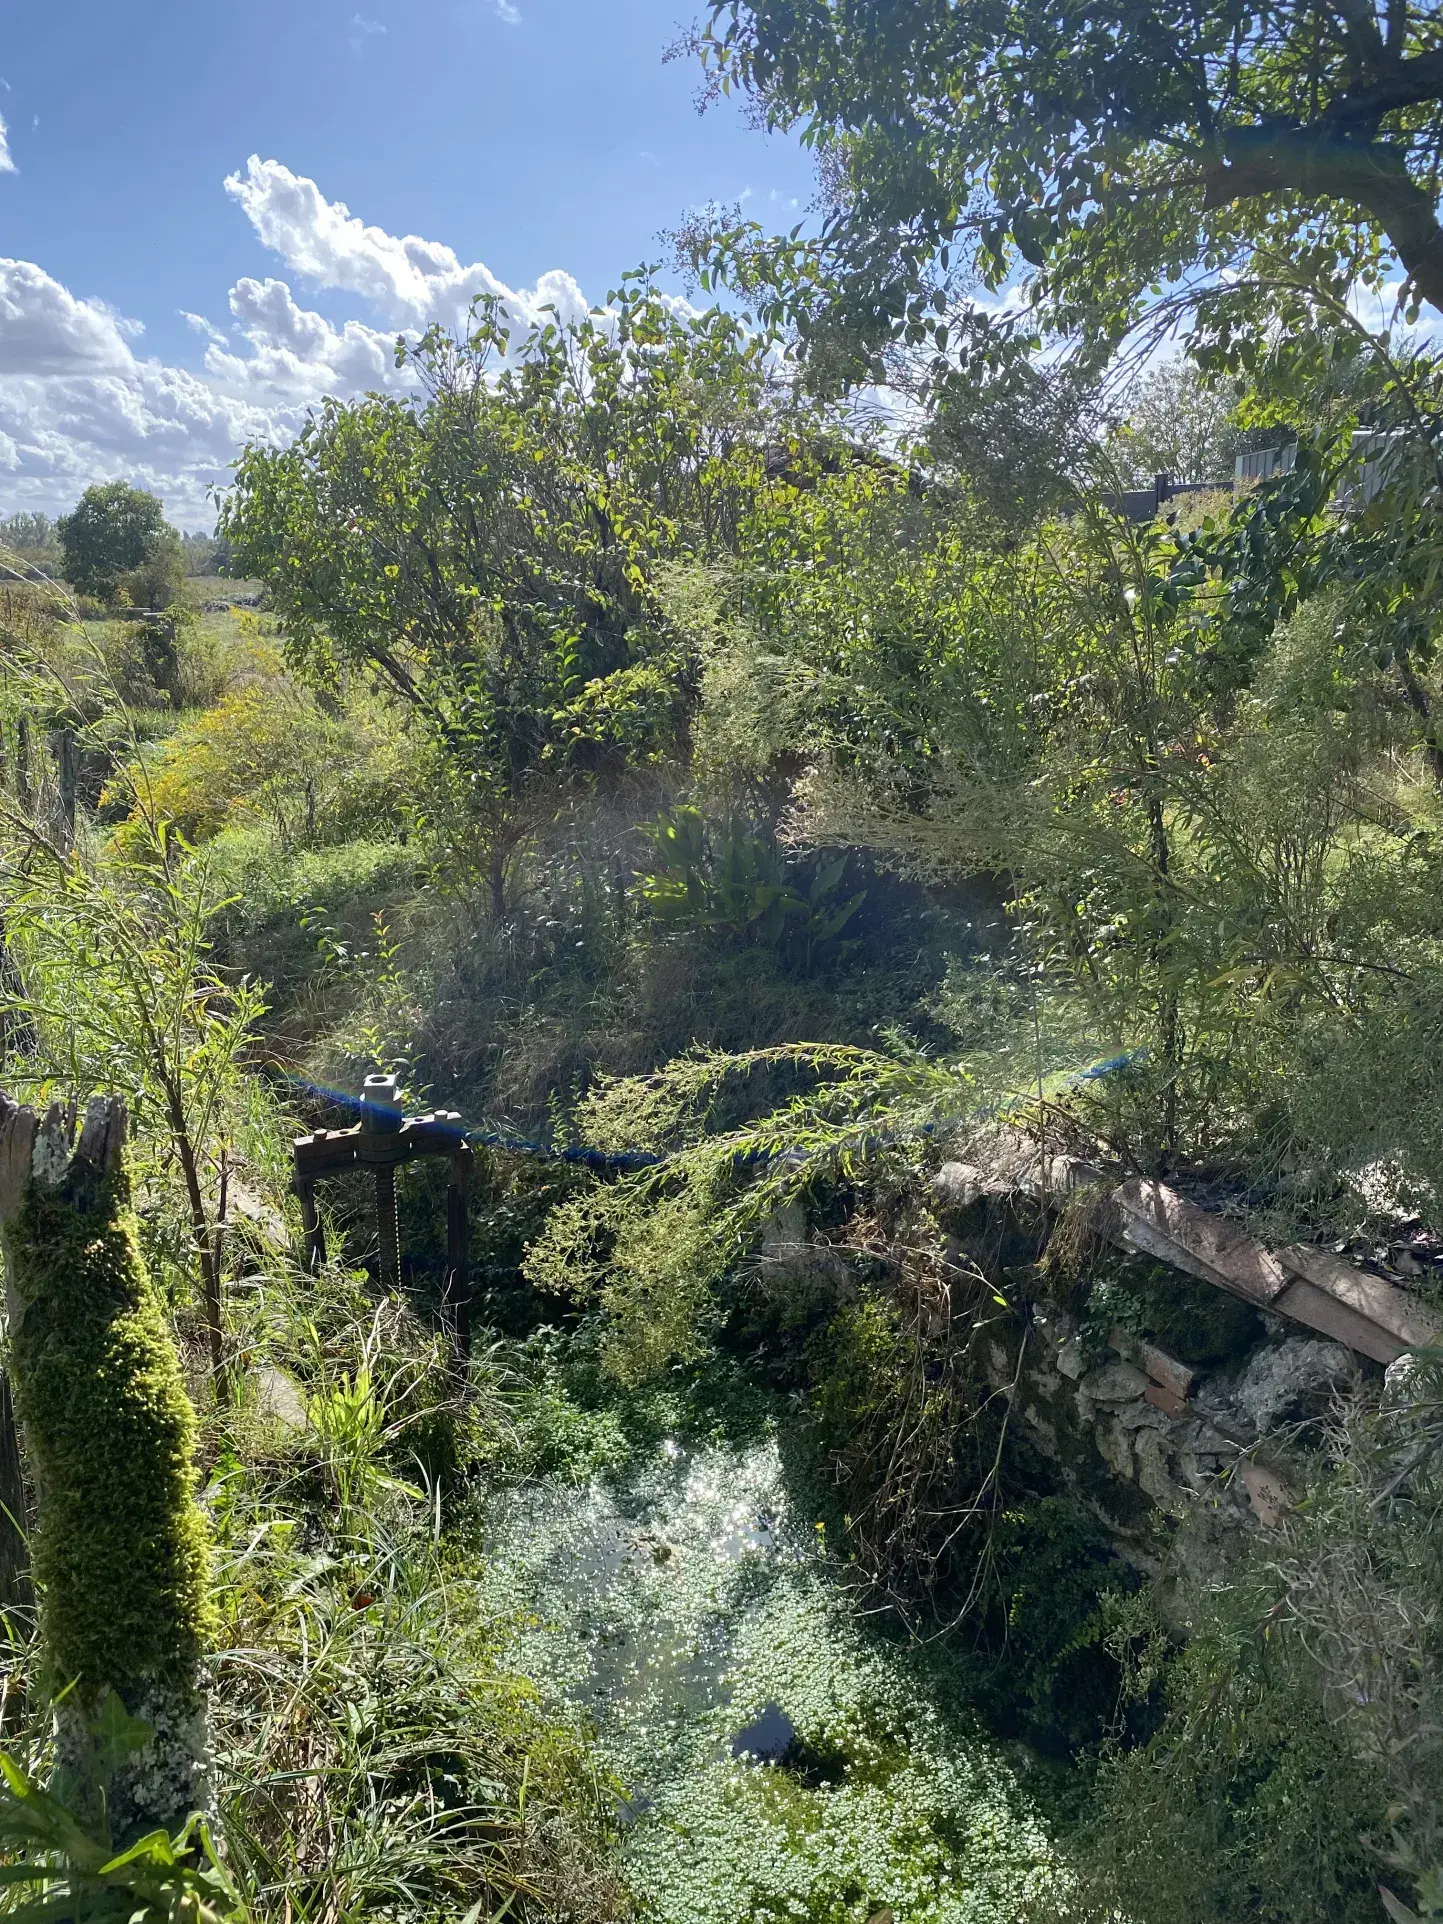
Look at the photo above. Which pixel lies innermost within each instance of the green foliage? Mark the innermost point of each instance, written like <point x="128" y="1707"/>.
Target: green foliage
<point x="77" y="1880"/>
<point x="1115" y="153"/>
<point x="1298" y="1760"/>
<point x="886" y="1805"/>
<point x="120" y="1555"/>
<point x="1176" y="422"/>
<point x="266" y="749"/>
<point x="736" y="881"/>
<point x="115" y="545"/>
<point x="652" y="1247"/>
<point x="490" y="550"/>
<point x="376" y="1748"/>
<point x="1248" y="1801"/>
<point x="1190" y="1320"/>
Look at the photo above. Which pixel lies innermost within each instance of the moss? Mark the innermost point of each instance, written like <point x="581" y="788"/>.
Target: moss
<point x="121" y="1549"/>
<point x="1190" y="1320"/>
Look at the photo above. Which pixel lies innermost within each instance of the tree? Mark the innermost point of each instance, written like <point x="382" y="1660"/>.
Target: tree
<point x="1115" y="148"/>
<point x="490" y="549"/>
<point x="121" y="1549"/>
<point x="30" y="539"/>
<point x="1176" y="423"/>
<point x="117" y="538"/>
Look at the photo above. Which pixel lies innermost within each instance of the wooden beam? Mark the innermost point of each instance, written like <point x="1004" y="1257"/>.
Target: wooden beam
<point x="1381" y="1302"/>
<point x="1160" y="1222"/>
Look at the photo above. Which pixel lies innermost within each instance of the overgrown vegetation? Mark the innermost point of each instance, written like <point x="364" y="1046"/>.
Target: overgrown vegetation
<point x="733" y="801"/>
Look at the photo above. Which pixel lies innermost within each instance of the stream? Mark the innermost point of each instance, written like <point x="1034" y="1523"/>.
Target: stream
<point x="781" y="1759"/>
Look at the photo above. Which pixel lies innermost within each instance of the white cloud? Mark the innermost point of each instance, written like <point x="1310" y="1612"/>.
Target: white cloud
<point x="297" y="353"/>
<point x="7" y="164"/>
<point x="78" y="404"/>
<point x="44" y="329"/>
<point x="363" y="30"/>
<point x="508" y="14"/>
<point x="412" y="281"/>
<point x="200" y="325"/>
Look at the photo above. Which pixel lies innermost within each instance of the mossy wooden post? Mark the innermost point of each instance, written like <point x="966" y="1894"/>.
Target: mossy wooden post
<point x="119" y="1545"/>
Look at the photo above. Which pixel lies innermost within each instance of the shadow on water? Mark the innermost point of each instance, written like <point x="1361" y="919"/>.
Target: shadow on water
<point x="781" y="1759"/>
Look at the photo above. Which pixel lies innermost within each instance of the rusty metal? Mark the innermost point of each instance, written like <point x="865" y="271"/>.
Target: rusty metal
<point x="382" y="1141"/>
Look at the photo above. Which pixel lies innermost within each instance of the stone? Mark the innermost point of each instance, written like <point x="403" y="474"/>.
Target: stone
<point x="1291" y="1381"/>
<point x="1402" y="1382"/>
<point x="1114" y="1383"/>
<point x="1195" y="1434"/>
<point x="1267" y="1493"/>
<point x="1114" y="1446"/>
<point x="957" y="1185"/>
<point x="278" y="1397"/>
<point x="1070" y="1359"/>
<point x="1161" y="1398"/>
<point x="1152" y="1468"/>
<point x="1143" y="1415"/>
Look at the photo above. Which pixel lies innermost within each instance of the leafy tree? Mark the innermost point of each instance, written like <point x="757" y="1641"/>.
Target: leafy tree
<point x="31" y="538"/>
<point x="1114" y="148"/>
<point x="1179" y="423"/>
<point x="204" y="554"/>
<point x="491" y="548"/>
<point x="117" y="539"/>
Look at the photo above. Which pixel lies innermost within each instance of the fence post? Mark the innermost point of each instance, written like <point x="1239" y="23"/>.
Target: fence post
<point x="15" y="1585"/>
<point x="381" y="1116"/>
<point x="456" y="1289"/>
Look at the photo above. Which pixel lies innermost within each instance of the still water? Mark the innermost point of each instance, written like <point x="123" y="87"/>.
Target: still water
<point x="780" y="1759"/>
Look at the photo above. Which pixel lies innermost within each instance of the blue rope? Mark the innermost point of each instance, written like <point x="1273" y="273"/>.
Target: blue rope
<point x="624" y="1161"/>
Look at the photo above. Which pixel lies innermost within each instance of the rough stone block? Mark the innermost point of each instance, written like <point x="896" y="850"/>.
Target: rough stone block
<point x="1114" y="1446"/>
<point x="1115" y="1383"/>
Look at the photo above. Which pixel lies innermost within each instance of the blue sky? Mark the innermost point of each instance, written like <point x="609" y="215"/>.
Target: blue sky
<point x="513" y="138"/>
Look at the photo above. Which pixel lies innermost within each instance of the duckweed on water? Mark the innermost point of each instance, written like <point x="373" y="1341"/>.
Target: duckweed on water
<point x="678" y="1610"/>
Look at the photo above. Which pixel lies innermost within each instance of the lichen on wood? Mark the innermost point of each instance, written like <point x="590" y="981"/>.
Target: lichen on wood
<point x="120" y="1550"/>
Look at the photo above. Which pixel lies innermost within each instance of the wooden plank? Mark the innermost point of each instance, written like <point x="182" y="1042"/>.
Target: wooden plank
<point x="1053" y="1178"/>
<point x="326" y="1151"/>
<point x="1174" y="1376"/>
<point x="1305" y="1303"/>
<point x="1392" y="1309"/>
<point x="1159" y="1221"/>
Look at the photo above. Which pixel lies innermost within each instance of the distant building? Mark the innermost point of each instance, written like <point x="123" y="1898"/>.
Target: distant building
<point x="1377" y="453"/>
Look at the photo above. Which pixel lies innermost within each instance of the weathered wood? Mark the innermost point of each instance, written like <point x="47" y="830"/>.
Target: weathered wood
<point x="66" y="782"/>
<point x="1159" y="1222"/>
<point x="1373" y="1297"/>
<point x="1305" y="1303"/>
<point x="328" y="1152"/>
<point x="1175" y="1377"/>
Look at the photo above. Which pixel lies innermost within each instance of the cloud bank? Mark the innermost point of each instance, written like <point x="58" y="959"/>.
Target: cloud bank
<point x="78" y="404"/>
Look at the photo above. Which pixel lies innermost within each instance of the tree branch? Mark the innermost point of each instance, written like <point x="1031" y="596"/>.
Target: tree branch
<point x="1274" y="160"/>
<point x="1408" y="83"/>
